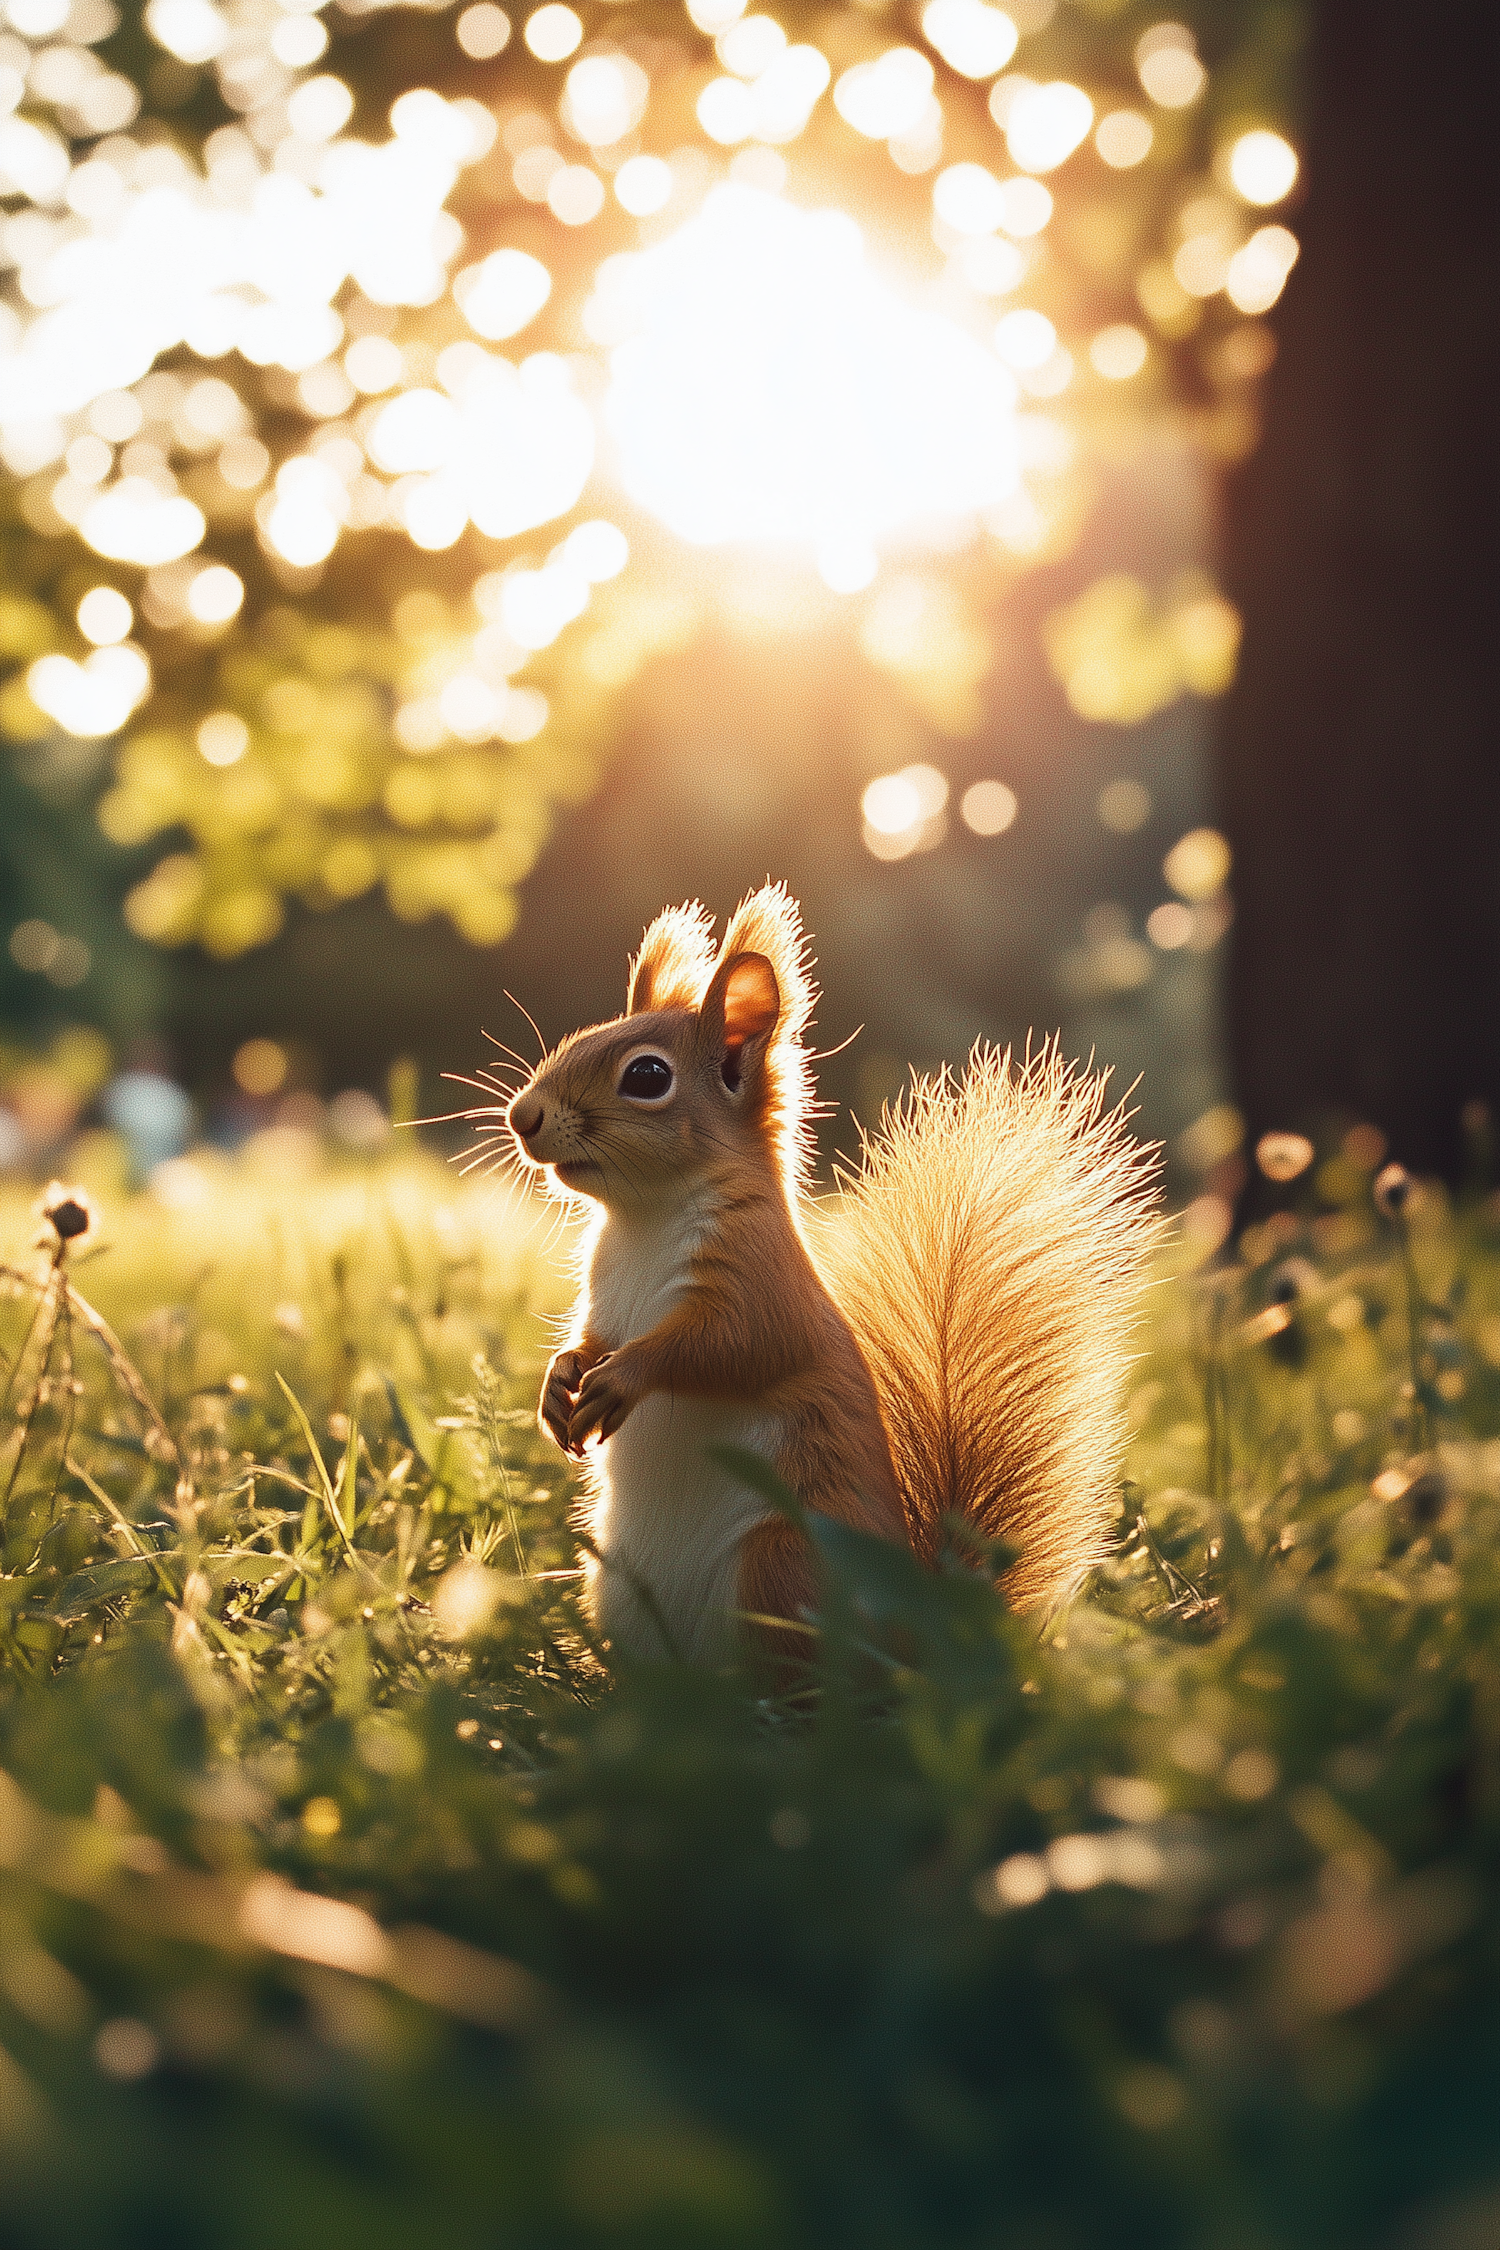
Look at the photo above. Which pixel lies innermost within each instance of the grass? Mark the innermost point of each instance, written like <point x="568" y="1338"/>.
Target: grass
<point x="345" y="1898"/>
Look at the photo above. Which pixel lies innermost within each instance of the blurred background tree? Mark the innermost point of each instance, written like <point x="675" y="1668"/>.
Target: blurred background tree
<point x="475" y="475"/>
<point x="1361" y="784"/>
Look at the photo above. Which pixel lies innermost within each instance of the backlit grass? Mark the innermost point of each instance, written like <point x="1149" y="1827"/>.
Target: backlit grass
<point x="345" y="1896"/>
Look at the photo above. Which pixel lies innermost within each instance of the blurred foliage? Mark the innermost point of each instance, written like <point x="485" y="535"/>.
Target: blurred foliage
<point x="345" y="1896"/>
<point x="372" y="700"/>
<point x="1117" y="660"/>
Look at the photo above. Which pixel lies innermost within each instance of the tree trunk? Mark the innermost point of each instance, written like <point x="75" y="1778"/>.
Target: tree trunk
<point x="1360" y="750"/>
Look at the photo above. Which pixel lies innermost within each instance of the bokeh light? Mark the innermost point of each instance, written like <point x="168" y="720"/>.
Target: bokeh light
<point x="575" y="195"/>
<point x="553" y="33"/>
<point x="135" y="522"/>
<point x="1263" y="167"/>
<point x="483" y="31"/>
<point x="1197" y="866"/>
<point x="1169" y="926"/>
<point x="172" y="260"/>
<point x="319" y="109"/>
<point x="215" y="595"/>
<point x="892" y="803"/>
<point x="775" y="104"/>
<point x="904" y="812"/>
<point x="95" y="697"/>
<point x="192" y="30"/>
<point x="605" y="97"/>
<point x="512" y="450"/>
<point x="1256" y="275"/>
<point x="969" y="198"/>
<point x="989" y="808"/>
<point x="726" y="111"/>
<point x="1120" y="655"/>
<point x="972" y="38"/>
<point x="1166" y="61"/>
<point x="261" y="1066"/>
<point x="104" y="616"/>
<point x="497" y="298"/>
<point x="889" y="97"/>
<point x="1044" y="124"/>
<point x="298" y="40"/>
<point x="375" y="364"/>
<point x="751" y="45"/>
<point x="281" y="337"/>
<point x="302" y="520"/>
<point x="1028" y="208"/>
<point x="1124" y="805"/>
<point x="598" y="550"/>
<point x="1118" y="352"/>
<point x="643" y="185"/>
<point x="1124" y="139"/>
<point x="1025" y="340"/>
<point x="223" y="738"/>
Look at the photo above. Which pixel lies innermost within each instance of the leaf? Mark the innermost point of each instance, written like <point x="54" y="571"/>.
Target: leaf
<point x="14" y="1591"/>
<point x="143" y="1547"/>
<point x="40" y="1634"/>
<point x="253" y="1566"/>
<point x="753" y="1469"/>
<point x="444" y="1460"/>
<point x="104" y="1582"/>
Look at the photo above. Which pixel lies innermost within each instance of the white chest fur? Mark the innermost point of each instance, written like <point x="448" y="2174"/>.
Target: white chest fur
<point x="666" y="1518"/>
<point x="640" y="1266"/>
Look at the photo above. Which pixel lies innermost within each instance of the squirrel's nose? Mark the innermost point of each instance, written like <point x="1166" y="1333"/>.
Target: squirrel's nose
<point x="526" y="1114"/>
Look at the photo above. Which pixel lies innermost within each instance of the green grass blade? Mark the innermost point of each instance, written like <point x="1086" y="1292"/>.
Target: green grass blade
<point x="324" y="1479"/>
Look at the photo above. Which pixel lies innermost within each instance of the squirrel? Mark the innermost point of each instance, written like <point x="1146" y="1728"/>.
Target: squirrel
<point x="949" y="1343"/>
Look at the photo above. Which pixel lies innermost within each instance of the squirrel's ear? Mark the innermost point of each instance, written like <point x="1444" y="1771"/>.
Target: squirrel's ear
<point x="768" y="923"/>
<point x="741" y="1010"/>
<point x="675" y="961"/>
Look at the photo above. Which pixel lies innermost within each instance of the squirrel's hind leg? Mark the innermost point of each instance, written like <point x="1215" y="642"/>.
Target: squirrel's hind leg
<point x="776" y="1580"/>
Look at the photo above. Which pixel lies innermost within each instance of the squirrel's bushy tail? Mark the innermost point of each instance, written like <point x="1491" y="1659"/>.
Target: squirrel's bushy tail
<point x="989" y="1258"/>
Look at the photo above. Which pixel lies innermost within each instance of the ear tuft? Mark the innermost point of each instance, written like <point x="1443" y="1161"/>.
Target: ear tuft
<point x="765" y="979"/>
<point x="768" y="923"/>
<point x="675" y="961"/>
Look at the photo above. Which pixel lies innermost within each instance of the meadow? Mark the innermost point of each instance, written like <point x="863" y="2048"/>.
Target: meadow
<point x="346" y="1896"/>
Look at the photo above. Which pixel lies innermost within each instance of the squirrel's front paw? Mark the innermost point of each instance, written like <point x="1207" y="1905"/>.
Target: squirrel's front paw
<point x="605" y="1396"/>
<point x="559" y="1391"/>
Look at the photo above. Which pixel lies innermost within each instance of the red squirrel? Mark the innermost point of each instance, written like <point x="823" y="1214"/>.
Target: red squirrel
<point x="949" y="1343"/>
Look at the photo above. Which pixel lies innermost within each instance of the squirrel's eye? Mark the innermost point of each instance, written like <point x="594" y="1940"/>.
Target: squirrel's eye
<point x="647" y="1079"/>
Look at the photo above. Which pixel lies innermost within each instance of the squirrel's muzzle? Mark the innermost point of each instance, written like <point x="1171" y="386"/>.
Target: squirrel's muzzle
<point x="525" y="1114"/>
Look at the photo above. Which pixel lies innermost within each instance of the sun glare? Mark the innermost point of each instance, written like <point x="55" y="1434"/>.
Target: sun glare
<point x="768" y="386"/>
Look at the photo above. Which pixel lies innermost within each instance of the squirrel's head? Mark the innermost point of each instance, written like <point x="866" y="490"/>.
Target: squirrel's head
<point x="705" y="1070"/>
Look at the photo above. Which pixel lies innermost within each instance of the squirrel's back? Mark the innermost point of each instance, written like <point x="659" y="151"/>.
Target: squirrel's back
<point x="989" y="1257"/>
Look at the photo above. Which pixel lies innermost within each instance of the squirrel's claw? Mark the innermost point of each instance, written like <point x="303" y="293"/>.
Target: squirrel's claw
<point x="555" y="1408"/>
<point x="604" y="1400"/>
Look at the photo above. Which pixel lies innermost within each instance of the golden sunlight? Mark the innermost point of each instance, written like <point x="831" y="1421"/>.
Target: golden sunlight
<point x="769" y="386"/>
